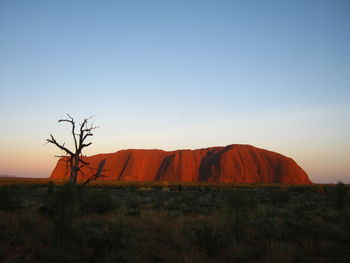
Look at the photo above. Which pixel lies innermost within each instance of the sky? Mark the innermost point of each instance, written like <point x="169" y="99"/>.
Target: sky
<point x="177" y="75"/>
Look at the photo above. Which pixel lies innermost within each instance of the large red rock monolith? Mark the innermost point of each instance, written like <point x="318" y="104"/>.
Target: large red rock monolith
<point x="233" y="163"/>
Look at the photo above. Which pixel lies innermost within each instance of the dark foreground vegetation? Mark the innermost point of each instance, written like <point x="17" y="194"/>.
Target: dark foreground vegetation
<point x="42" y="221"/>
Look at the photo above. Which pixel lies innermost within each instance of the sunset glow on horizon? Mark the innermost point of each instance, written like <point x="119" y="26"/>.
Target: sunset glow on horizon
<point x="177" y="75"/>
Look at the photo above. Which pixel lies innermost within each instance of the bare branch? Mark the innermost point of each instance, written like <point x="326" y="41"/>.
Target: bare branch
<point x="81" y="166"/>
<point x="61" y="156"/>
<point x="98" y="173"/>
<point x="70" y="117"/>
<point x="53" y="141"/>
<point x="72" y="122"/>
<point x="86" y="135"/>
<point x="85" y="145"/>
<point x="83" y="162"/>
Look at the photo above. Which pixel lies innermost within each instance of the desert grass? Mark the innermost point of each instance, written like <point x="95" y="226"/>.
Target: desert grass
<point x="169" y="222"/>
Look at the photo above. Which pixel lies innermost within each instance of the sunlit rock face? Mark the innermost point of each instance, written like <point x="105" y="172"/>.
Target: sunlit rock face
<point x="233" y="163"/>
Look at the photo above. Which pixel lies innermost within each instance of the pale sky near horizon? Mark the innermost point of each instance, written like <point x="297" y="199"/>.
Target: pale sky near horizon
<point x="177" y="75"/>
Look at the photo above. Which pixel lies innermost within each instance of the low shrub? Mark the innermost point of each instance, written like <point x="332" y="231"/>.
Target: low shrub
<point x="97" y="202"/>
<point x="279" y="197"/>
<point x="133" y="212"/>
<point x="340" y="195"/>
<point x="108" y="242"/>
<point x="133" y="203"/>
<point x="6" y="200"/>
<point x="207" y="239"/>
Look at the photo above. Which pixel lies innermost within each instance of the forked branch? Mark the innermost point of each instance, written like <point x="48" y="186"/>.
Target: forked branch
<point x="61" y="146"/>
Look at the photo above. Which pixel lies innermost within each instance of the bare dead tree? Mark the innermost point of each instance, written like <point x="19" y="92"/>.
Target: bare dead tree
<point x="80" y="134"/>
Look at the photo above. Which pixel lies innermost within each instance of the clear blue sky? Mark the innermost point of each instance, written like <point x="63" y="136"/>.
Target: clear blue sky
<point x="177" y="74"/>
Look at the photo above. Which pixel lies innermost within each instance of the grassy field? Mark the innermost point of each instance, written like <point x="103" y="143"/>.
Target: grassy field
<point x="43" y="221"/>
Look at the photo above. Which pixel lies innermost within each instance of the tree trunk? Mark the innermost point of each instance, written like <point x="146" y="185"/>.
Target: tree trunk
<point x="75" y="169"/>
<point x="71" y="179"/>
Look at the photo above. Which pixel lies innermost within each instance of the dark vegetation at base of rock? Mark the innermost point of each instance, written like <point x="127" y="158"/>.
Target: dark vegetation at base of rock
<point x="175" y="223"/>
